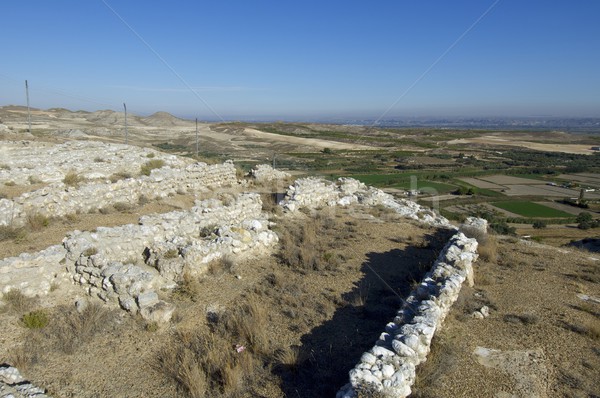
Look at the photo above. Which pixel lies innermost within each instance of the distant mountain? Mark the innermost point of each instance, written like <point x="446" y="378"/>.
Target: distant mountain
<point x="163" y="119"/>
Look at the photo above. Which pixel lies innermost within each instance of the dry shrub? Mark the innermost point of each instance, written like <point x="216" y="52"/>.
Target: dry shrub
<point x="8" y="232"/>
<point x="150" y="165"/>
<point x="488" y="250"/>
<point x="121" y="175"/>
<point x="205" y="362"/>
<point x="189" y="289"/>
<point x="122" y="207"/>
<point x="72" y="179"/>
<point x="224" y="264"/>
<point x="475" y="233"/>
<point x="70" y="329"/>
<point x="37" y="221"/>
<point x="18" y="302"/>
<point x="307" y="245"/>
<point x="248" y="323"/>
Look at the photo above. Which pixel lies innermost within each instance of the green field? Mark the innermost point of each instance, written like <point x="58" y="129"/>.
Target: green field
<point x="403" y="181"/>
<point x="530" y="209"/>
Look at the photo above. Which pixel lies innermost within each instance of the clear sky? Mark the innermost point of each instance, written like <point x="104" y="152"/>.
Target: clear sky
<point x="305" y="59"/>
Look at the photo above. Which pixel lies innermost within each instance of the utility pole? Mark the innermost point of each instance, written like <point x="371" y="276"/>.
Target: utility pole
<point x="28" y="110"/>
<point x="126" y="135"/>
<point x="196" y="138"/>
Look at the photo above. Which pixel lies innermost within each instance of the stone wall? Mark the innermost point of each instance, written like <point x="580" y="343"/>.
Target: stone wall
<point x="265" y="173"/>
<point x="314" y="192"/>
<point x="389" y="367"/>
<point x="129" y="263"/>
<point x="33" y="273"/>
<point x="58" y="199"/>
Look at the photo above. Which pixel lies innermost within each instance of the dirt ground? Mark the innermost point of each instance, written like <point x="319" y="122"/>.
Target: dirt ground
<point x="540" y="340"/>
<point x="328" y="316"/>
<point x="538" y="146"/>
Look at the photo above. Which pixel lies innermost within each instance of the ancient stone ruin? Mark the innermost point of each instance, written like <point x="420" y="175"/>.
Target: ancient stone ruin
<point x="128" y="265"/>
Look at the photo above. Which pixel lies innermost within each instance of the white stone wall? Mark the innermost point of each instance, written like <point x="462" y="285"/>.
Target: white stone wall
<point x="57" y="199"/>
<point x="33" y="273"/>
<point x="389" y="367"/>
<point x="49" y="163"/>
<point x="127" y="264"/>
<point x="264" y="173"/>
<point x="314" y="192"/>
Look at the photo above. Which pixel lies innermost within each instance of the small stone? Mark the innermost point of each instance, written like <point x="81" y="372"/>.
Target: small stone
<point x="238" y="277"/>
<point x="369" y="358"/>
<point x="485" y="311"/>
<point x="477" y="315"/>
<point x="387" y="371"/>
<point x="402" y="349"/>
<point x="81" y="305"/>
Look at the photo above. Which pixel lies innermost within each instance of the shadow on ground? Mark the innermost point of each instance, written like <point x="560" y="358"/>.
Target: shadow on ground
<point x="330" y="350"/>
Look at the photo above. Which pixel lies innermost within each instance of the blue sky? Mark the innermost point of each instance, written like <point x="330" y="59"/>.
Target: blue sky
<point x="303" y="60"/>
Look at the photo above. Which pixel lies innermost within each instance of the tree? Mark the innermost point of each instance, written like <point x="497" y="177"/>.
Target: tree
<point x="584" y="216"/>
<point x="539" y="224"/>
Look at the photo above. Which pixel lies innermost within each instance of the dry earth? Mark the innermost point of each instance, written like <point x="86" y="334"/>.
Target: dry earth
<point x="538" y="146"/>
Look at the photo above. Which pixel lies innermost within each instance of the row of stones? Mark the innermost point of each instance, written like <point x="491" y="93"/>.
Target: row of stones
<point x="315" y="192"/>
<point x="57" y="200"/>
<point x="24" y="162"/>
<point x="389" y="367"/>
<point x="130" y="263"/>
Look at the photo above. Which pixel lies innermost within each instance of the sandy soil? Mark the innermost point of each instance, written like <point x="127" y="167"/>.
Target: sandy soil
<point x="313" y="142"/>
<point x="538" y="146"/>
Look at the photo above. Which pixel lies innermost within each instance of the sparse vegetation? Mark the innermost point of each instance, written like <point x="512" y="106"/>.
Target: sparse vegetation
<point x="16" y="301"/>
<point x="220" y="357"/>
<point x="121" y="175"/>
<point x="16" y="234"/>
<point x="72" y="179"/>
<point x="122" y="207"/>
<point x="150" y="165"/>
<point x="33" y="180"/>
<point x="35" y="319"/>
<point x="37" y="221"/>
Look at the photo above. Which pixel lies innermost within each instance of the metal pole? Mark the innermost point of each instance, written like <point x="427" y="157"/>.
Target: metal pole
<point x="196" y="138"/>
<point x="28" y="110"/>
<point x="126" y="135"/>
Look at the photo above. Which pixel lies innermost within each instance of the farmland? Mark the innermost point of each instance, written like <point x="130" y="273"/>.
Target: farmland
<point x="531" y="209"/>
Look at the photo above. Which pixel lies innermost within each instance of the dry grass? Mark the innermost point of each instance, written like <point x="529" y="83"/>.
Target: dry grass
<point x="37" y="221"/>
<point x="150" y="165"/>
<point x="121" y="175"/>
<point x="209" y="360"/>
<point x="488" y="250"/>
<point x="189" y="289"/>
<point x="222" y="265"/>
<point x="72" y="179"/>
<point x="70" y="329"/>
<point x="18" y="302"/>
<point x="307" y="245"/>
<point x="17" y="234"/>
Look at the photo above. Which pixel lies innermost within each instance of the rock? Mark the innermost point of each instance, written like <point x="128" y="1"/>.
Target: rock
<point x="160" y="312"/>
<point x="147" y="299"/>
<point x="485" y="311"/>
<point x="81" y="305"/>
